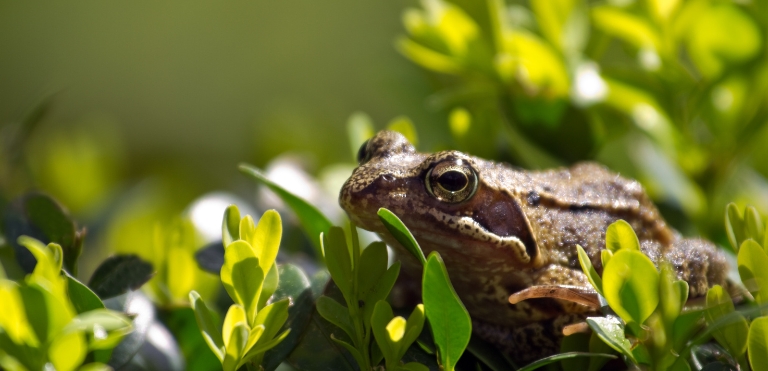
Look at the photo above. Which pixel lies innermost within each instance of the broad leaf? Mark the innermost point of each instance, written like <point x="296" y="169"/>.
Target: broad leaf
<point x="631" y="285"/>
<point x="118" y="274"/>
<point x="589" y="270"/>
<point x="559" y="357"/>
<point x="338" y="260"/>
<point x="758" y="343"/>
<point x="337" y="314"/>
<point x="401" y="233"/>
<point x="210" y="331"/>
<point x="449" y="319"/>
<point x="83" y="299"/>
<point x="610" y="330"/>
<point x="729" y="327"/>
<point x="753" y="269"/>
<point x="620" y="235"/>
<point x="230" y="225"/>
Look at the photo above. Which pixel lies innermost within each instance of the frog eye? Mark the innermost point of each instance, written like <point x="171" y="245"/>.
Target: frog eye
<point x="452" y="181"/>
<point x="363" y="155"/>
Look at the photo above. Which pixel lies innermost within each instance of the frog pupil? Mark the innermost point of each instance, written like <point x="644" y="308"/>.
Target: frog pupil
<point x="453" y="180"/>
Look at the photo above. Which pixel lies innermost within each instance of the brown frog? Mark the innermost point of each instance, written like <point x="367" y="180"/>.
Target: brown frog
<point x="502" y="229"/>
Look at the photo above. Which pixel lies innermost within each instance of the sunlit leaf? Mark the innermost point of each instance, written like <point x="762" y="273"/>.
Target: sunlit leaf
<point x="272" y="317"/>
<point x="753" y="269"/>
<point x="755" y="226"/>
<point x="401" y="233"/>
<point x="210" y="331"/>
<point x="269" y="286"/>
<point x="733" y="334"/>
<point x="589" y="270"/>
<point x="451" y="324"/>
<point x="230" y="225"/>
<point x="235" y="315"/>
<point x="14" y="320"/>
<point x="620" y="235"/>
<point x="626" y="26"/>
<point x="758" y="343"/>
<point x="380" y="319"/>
<point x="235" y="349"/>
<point x="734" y="226"/>
<point x="631" y="285"/>
<point x="83" y="299"/>
<point x="266" y="240"/>
<point x="611" y="331"/>
<point x="723" y="34"/>
<point x="67" y="351"/>
<point x="312" y="220"/>
<point x="242" y="276"/>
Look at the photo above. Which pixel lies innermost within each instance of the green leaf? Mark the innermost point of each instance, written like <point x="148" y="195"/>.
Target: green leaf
<point x="404" y="125"/>
<point x="589" y="270"/>
<point x="235" y="316"/>
<point x="729" y="327"/>
<point x="272" y="317"/>
<point x="685" y="327"/>
<point x="312" y="220"/>
<point x="46" y="265"/>
<point x="605" y="256"/>
<point x="413" y="366"/>
<point x="379" y="291"/>
<point x="95" y="366"/>
<point x="401" y="233"/>
<point x="45" y="214"/>
<point x="267" y="345"/>
<point x="630" y="28"/>
<point x="734" y="226"/>
<point x="722" y="35"/>
<point x="335" y="313"/>
<point x="631" y="285"/>
<point x="230" y="225"/>
<point x="352" y="350"/>
<point x="413" y="327"/>
<point x="373" y="263"/>
<point x="753" y="269"/>
<point x="118" y="274"/>
<point x="67" y="351"/>
<point x="105" y="319"/>
<point x="14" y="321"/>
<point x="235" y="349"/>
<point x="559" y="357"/>
<point x="83" y="299"/>
<point x="380" y="319"/>
<point x="610" y="330"/>
<point x="271" y="282"/>
<point x="671" y="297"/>
<point x="758" y="343"/>
<point x="242" y="277"/>
<point x="755" y="226"/>
<point x="210" y="331"/>
<point x="620" y="235"/>
<point x="266" y="240"/>
<point x="451" y="324"/>
<point x="337" y="259"/>
<point x="578" y="342"/>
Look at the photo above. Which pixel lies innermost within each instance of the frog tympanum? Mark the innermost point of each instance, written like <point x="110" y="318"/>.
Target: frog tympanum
<point x="502" y="229"/>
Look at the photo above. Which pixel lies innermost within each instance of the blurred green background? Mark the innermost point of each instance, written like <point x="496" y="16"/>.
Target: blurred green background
<point x="127" y="112"/>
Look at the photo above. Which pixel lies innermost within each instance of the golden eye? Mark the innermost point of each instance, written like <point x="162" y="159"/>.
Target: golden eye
<point x="451" y="181"/>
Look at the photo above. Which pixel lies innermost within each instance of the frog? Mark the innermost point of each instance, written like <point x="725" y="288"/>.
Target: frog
<point x="502" y="229"/>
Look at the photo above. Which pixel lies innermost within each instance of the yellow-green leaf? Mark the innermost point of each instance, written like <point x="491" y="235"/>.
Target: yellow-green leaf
<point x="758" y="343"/>
<point x="589" y="270"/>
<point x="266" y="240"/>
<point x="730" y="327"/>
<point x="235" y="315"/>
<point x="67" y="351"/>
<point x="753" y="269"/>
<point x="230" y="225"/>
<point x="620" y="235"/>
<point x="631" y="285"/>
